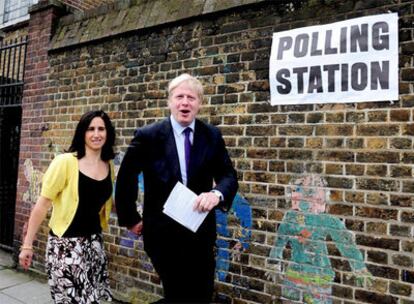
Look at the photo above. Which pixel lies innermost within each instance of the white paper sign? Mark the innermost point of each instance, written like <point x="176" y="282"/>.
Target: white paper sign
<point x="179" y="206"/>
<point x="349" y="61"/>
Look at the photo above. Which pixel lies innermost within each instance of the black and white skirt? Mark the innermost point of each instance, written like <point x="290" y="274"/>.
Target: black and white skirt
<point x="77" y="269"/>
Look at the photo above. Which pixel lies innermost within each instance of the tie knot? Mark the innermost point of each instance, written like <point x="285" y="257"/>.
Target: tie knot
<point x="187" y="131"/>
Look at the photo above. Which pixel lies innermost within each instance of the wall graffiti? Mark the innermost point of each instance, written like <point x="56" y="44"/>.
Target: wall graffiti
<point x="231" y="245"/>
<point x="307" y="274"/>
<point x="34" y="177"/>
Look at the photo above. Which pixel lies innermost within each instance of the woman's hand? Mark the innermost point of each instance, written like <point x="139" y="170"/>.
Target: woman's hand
<point x="36" y="218"/>
<point x="25" y="257"/>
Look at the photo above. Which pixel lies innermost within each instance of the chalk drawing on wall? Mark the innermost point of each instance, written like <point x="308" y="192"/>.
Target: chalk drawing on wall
<point x="34" y="177"/>
<point x="307" y="273"/>
<point x="230" y="246"/>
<point x="117" y="161"/>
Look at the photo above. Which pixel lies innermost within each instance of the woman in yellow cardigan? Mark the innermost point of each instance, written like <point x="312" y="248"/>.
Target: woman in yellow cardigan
<point x="78" y="185"/>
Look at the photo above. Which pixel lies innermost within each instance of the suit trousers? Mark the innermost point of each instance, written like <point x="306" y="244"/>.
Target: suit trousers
<point x="186" y="273"/>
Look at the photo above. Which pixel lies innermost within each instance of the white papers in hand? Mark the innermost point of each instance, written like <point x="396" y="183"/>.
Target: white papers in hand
<point x="179" y="206"/>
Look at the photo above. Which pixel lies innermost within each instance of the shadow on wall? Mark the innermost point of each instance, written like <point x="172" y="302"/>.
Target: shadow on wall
<point x="307" y="274"/>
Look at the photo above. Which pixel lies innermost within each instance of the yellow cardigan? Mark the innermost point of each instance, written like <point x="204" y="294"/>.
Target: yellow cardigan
<point x="60" y="184"/>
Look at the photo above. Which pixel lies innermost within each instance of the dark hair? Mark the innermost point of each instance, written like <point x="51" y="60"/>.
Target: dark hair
<point x="78" y="141"/>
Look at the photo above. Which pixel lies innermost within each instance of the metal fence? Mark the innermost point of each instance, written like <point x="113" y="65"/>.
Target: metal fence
<point x="12" y="61"/>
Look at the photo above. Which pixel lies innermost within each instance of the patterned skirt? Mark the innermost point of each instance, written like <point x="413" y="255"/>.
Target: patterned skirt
<point x="77" y="270"/>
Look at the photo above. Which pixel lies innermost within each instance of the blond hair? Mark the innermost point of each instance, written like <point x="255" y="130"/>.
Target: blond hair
<point x="194" y="84"/>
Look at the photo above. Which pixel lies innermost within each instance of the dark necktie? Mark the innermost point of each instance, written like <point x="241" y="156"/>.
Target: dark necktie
<point x="187" y="148"/>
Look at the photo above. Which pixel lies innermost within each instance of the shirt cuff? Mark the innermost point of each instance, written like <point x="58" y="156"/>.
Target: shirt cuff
<point x="219" y="194"/>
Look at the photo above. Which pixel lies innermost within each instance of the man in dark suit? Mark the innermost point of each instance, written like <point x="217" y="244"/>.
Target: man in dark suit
<point x="183" y="149"/>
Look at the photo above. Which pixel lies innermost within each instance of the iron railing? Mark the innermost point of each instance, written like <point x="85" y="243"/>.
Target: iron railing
<point x="12" y="61"/>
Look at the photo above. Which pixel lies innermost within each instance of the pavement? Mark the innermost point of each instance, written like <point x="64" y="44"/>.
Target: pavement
<point x="18" y="287"/>
<point x="24" y="287"/>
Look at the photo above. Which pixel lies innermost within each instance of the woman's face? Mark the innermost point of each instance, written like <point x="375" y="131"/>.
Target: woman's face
<point x="95" y="135"/>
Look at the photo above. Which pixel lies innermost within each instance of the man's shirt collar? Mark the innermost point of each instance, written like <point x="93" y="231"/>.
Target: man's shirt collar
<point x="179" y="128"/>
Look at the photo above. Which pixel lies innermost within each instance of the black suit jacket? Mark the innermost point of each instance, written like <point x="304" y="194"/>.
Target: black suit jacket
<point x="153" y="151"/>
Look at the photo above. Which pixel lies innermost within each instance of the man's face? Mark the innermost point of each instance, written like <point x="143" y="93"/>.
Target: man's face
<point x="184" y="104"/>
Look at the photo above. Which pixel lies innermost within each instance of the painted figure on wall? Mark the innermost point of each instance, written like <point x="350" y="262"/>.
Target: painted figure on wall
<point x="231" y="245"/>
<point x="307" y="271"/>
<point x="34" y="177"/>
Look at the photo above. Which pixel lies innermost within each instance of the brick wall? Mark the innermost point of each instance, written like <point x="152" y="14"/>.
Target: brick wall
<point x="32" y="142"/>
<point x="361" y="151"/>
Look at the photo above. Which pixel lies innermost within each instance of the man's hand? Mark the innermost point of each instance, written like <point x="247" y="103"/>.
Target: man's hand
<point x="206" y="201"/>
<point x="137" y="228"/>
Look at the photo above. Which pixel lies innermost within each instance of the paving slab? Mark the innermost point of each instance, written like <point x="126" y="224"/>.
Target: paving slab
<point x="4" y="299"/>
<point x="10" y="278"/>
<point x="32" y="292"/>
<point x="18" y="287"/>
